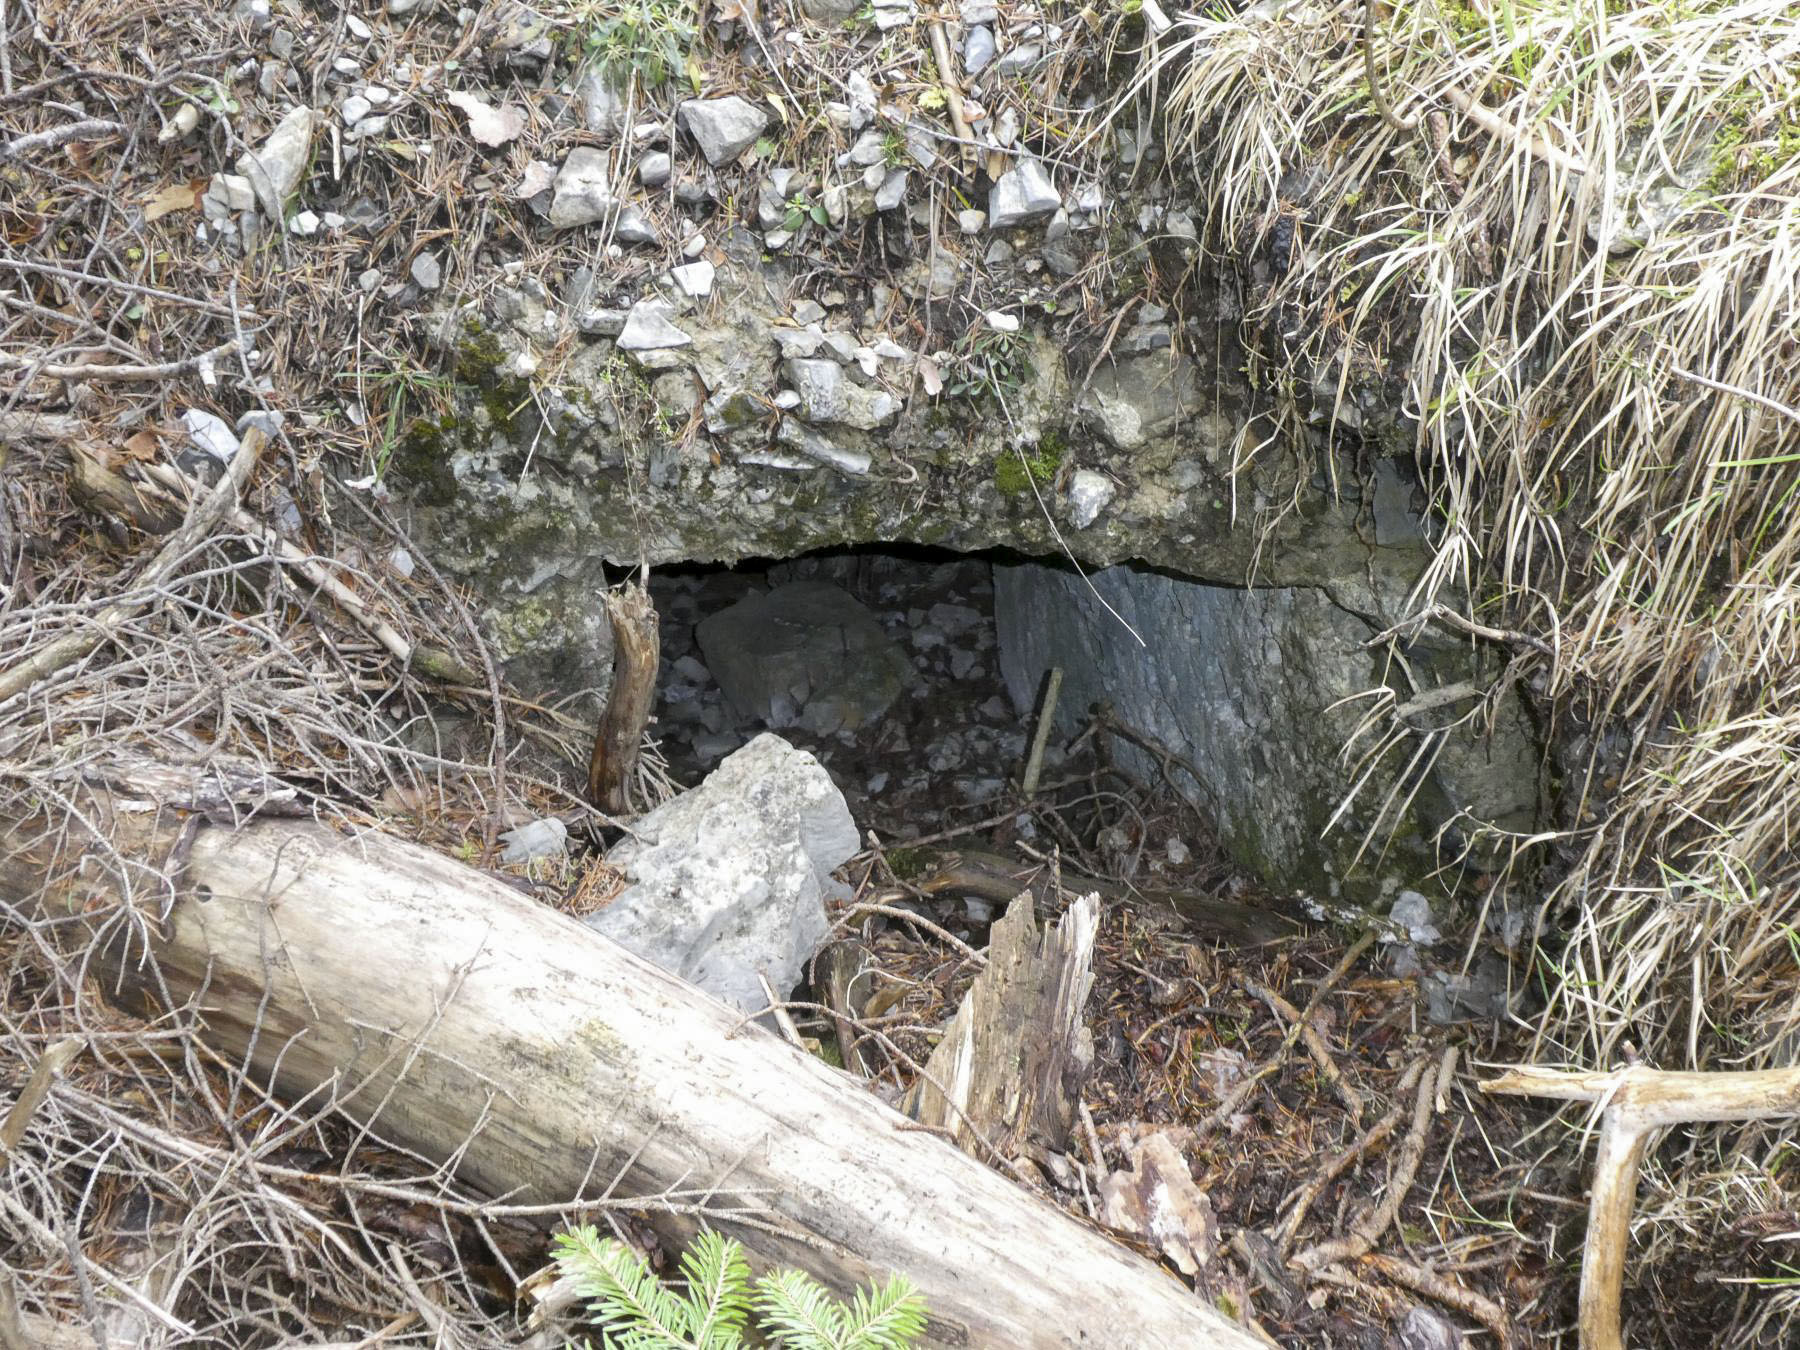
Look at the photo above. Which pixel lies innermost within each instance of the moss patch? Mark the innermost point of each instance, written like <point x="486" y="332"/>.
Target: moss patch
<point x="1015" y="471"/>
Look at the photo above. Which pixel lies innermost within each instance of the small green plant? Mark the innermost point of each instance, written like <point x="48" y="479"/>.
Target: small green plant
<point x="399" y="395"/>
<point x="636" y="1311"/>
<point x="993" y="364"/>
<point x="649" y="39"/>
<point x="801" y="209"/>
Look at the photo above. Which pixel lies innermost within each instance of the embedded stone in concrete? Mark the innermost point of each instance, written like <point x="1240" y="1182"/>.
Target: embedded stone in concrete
<point x="806" y="655"/>
<point x="649" y="328"/>
<point x="728" y="882"/>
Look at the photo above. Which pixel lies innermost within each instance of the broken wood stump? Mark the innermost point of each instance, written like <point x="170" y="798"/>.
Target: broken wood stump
<point x="1010" y="1069"/>
<point x="620" y="736"/>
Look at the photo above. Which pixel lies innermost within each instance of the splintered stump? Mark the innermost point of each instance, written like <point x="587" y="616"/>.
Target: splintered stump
<point x="1010" y="1069"/>
<point x="480" y="1029"/>
<point x="621" y="733"/>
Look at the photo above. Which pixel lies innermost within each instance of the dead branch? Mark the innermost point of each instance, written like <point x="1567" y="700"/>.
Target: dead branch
<point x="1634" y="1103"/>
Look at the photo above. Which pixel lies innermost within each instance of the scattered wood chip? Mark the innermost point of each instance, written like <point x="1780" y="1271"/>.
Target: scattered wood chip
<point x="489" y="125"/>
<point x="1157" y="1200"/>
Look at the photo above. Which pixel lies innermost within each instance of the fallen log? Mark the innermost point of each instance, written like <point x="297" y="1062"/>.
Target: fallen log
<point x="466" y="1022"/>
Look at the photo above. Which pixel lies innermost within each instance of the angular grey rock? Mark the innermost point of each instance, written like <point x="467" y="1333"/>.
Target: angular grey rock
<point x="584" y="194"/>
<point x="731" y="410"/>
<point x="1023" y="194"/>
<point x="815" y="445"/>
<point x="601" y="322"/>
<point x="1089" y="492"/>
<point x="274" y="169"/>
<point x="1019" y="59"/>
<point x="806" y="654"/>
<point x="829" y="11"/>
<point x="729" y="881"/>
<point x="893" y="190"/>
<point x="694" y="279"/>
<point x="547" y="837"/>
<point x="826" y="396"/>
<point x="634" y="227"/>
<point x="890" y="14"/>
<point x="978" y="49"/>
<point x="427" y="272"/>
<point x="870" y="148"/>
<point x="649" y="328"/>
<point x="654" y="169"/>
<point x="862" y="99"/>
<point x="971" y="221"/>
<point x="723" y="127"/>
<point x="354" y="109"/>
<point x="602" y="103"/>
<point x="820" y="384"/>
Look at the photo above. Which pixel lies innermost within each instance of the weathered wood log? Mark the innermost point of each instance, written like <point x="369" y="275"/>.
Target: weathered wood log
<point x="467" y="1022"/>
<point x="620" y="735"/>
<point x="1011" y="1066"/>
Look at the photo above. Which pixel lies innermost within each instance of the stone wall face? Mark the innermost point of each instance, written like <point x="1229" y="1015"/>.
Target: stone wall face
<point x="1256" y="689"/>
<point x="755" y="422"/>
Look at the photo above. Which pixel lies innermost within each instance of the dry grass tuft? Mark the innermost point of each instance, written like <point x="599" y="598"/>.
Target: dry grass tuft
<point x="1568" y="244"/>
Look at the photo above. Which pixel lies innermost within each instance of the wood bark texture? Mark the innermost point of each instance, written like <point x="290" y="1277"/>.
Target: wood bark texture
<point x="466" y="1021"/>
<point x="621" y="733"/>
<point x="1010" y="1069"/>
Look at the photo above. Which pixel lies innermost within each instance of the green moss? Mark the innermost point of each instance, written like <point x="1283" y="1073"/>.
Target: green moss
<point x="1015" y="472"/>
<point x="908" y="864"/>
<point x="422" y="459"/>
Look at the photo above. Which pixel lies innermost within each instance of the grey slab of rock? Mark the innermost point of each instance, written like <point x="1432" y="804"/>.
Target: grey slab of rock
<point x="820" y="385"/>
<point x="728" y="881"/>
<point x="978" y="49"/>
<point x="694" y="279"/>
<point x="1023" y="194"/>
<point x="602" y="322"/>
<point x="649" y="327"/>
<point x="427" y="272"/>
<point x="723" y="127"/>
<point x="602" y="103"/>
<point x="584" y="192"/>
<point x="816" y="446"/>
<point x="870" y="148"/>
<point x="274" y="168"/>
<point x="1020" y="59"/>
<point x="806" y="654"/>
<point x="634" y="227"/>
<point x="893" y="190"/>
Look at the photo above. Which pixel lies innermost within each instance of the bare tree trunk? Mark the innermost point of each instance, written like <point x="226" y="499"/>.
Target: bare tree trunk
<point x="465" y="1021"/>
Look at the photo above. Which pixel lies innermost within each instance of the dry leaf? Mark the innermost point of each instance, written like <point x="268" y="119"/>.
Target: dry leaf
<point x="929" y="377"/>
<point x="724" y="11"/>
<point x="174" y="197"/>
<point x="146" y="445"/>
<point x="489" y="125"/>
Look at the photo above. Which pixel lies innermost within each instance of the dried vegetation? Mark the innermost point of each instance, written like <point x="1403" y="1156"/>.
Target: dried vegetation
<point x="1564" y="237"/>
